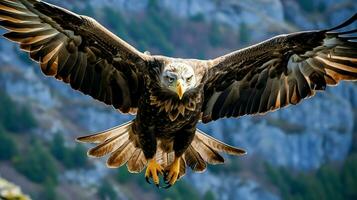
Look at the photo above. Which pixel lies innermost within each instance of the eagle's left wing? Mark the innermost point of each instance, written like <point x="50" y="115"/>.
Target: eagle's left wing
<point x="278" y="72"/>
<point x="77" y="50"/>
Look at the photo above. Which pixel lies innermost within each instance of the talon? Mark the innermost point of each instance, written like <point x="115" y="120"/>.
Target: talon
<point x="152" y="171"/>
<point x="173" y="173"/>
<point x="167" y="186"/>
<point x="166" y="181"/>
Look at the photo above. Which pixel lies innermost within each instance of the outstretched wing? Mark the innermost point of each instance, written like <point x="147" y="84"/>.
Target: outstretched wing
<point x="77" y="50"/>
<point x="280" y="71"/>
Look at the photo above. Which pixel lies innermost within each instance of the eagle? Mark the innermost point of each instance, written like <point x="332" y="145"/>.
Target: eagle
<point x="170" y="96"/>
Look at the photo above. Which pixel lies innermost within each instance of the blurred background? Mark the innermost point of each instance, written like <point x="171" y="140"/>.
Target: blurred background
<point x="307" y="151"/>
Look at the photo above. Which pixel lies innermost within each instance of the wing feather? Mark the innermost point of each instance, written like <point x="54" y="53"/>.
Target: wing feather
<point x="279" y="72"/>
<point x="77" y="50"/>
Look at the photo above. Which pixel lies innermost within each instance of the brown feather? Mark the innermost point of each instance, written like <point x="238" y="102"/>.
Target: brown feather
<point x="74" y="49"/>
<point x="120" y="156"/>
<point x="105" y="135"/>
<point x="194" y="160"/>
<point x="137" y="162"/>
<point x="206" y="152"/>
<point x="280" y="71"/>
<point x="218" y="145"/>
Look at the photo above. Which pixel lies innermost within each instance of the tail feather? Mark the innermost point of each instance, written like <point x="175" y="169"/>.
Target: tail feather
<point x="165" y="159"/>
<point x="120" y="143"/>
<point x="207" y="153"/>
<point x="137" y="162"/>
<point x="218" y="145"/>
<point x="121" y="156"/>
<point x="194" y="160"/>
<point x="103" y="136"/>
<point x="205" y="149"/>
<point x="182" y="168"/>
<point x="108" y="146"/>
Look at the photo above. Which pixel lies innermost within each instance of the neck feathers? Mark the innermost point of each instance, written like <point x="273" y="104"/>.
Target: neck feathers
<point x="174" y="107"/>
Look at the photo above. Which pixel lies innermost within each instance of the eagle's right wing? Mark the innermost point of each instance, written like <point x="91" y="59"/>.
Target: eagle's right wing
<point x="279" y="72"/>
<point x="77" y="50"/>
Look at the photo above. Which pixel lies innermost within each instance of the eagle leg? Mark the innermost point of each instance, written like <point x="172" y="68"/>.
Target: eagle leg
<point x="152" y="171"/>
<point x="172" y="174"/>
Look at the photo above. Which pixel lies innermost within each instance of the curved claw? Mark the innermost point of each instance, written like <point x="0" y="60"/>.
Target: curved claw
<point x="172" y="173"/>
<point x="167" y="186"/>
<point x="153" y="171"/>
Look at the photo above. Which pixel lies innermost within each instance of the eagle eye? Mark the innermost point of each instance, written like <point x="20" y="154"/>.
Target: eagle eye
<point x="170" y="79"/>
<point x="189" y="79"/>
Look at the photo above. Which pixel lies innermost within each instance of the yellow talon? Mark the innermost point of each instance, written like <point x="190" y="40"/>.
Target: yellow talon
<point x="152" y="171"/>
<point x="173" y="172"/>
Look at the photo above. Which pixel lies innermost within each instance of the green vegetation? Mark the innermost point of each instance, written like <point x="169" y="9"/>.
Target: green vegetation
<point x="8" y="148"/>
<point x="159" y="25"/>
<point x="181" y="191"/>
<point x="13" y="117"/>
<point x="106" y="191"/>
<point x="37" y="164"/>
<point x="209" y="195"/>
<point x="70" y="157"/>
<point x="49" y="191"/>
<point x="123" y="176"/>
<point x="328" y="182"/>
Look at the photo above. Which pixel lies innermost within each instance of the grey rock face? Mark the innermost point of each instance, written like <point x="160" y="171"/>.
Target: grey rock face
<point x="244" y="189"/>
<point x="301" y="137"/>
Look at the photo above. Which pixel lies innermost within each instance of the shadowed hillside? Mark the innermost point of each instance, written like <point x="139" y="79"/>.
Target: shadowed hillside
<point x="306" y="151"/>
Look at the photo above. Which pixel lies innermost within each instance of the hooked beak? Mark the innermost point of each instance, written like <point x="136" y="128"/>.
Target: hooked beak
<point x="180" y="89"/>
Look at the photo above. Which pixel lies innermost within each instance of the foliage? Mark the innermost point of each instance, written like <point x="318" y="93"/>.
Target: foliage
<point x="123" y="176"/>
<point x="209" y="195"/>
<point x="49" y="191"/>
<point x="77" y="157"/>
<point x="8" y="147"/>
<point x="15" y="118"/>
<point x="156" y="23"/>
<point x="180" y="191"/>
<point x="106" y="191"/>
<point x="70" y="157"/>
<point x="326" y="183"/>
<point x="57" y="147"/>
<point x="37" y="164"/>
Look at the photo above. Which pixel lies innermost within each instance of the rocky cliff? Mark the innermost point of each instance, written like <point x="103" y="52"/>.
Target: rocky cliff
<point x="301" y="137"/>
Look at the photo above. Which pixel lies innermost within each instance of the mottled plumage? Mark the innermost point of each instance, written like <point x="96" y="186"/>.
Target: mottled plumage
<point x="169" y="96"/>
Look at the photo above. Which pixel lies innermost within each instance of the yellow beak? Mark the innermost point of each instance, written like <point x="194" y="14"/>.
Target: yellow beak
<point x="180" y="89"/>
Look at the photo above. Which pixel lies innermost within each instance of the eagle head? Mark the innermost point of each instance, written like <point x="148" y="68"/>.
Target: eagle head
<point x="178" y="77"/>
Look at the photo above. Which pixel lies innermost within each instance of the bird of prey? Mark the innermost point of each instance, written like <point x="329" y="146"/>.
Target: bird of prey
<point x="169" y="96"/>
